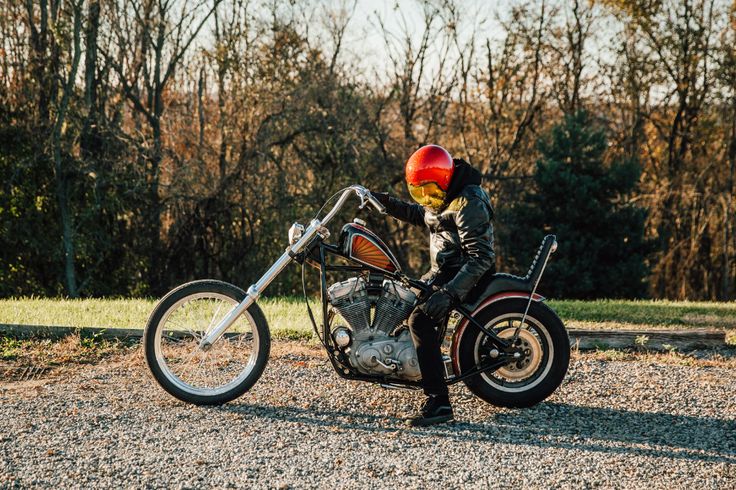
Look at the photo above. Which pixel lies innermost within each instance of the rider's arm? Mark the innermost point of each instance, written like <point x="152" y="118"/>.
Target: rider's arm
<point x="411" y="213"/>
<point x="473" y="221"/>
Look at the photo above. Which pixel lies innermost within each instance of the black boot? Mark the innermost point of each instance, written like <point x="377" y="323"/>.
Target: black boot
<point x="436" y="410"/>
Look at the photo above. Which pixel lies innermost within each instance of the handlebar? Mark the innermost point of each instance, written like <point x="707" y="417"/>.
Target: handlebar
<point x="376" y="203"/>
<point x="362" y="193"/>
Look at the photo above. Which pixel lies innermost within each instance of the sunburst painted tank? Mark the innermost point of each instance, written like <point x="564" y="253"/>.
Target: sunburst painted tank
<point x="362" y="245"/>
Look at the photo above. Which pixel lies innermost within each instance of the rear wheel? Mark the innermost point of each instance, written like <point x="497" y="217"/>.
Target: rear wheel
<point x="221" y="373"/>
<point x="543" y="340"/>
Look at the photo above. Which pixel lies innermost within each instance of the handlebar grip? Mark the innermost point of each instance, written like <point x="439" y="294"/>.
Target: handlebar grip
<point x="376" y="203"/>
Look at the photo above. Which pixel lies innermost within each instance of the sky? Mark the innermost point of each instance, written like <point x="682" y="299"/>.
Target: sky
<point x="365" y="38"/>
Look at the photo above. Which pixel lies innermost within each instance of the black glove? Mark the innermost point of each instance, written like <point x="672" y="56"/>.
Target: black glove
<point x="382" y="197"/>
<point x="438" y="305"/>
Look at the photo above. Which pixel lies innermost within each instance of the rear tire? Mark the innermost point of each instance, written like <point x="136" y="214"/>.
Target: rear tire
<point x="531" y="380"/>
<point x="178" y="323"/>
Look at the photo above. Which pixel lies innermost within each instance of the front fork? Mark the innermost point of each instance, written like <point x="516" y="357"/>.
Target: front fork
<point x="254" y="291"/>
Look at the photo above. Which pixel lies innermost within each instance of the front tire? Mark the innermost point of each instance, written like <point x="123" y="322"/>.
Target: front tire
<point x="529" y="381"/>
<point x="225" y="371"/>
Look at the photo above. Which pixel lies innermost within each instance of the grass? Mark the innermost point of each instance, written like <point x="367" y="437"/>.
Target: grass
<point x="647" y="314"/>
<point x="288" y="318"/>
<point x="655" y="313"/>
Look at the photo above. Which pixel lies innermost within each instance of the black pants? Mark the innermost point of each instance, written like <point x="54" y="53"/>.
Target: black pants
<point x="425" y="333"/>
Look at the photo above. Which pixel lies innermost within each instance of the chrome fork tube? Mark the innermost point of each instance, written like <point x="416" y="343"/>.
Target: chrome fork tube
<point x="254" y="291"/>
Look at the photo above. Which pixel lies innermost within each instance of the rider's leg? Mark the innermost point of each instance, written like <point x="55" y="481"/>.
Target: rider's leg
<point x="425" y="334"/>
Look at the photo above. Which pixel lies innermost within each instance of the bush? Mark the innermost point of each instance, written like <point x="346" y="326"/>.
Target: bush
<point x="586" y="203"/>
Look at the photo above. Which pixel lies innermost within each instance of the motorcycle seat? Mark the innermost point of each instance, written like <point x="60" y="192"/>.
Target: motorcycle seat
<point x="508" y="282"/>
<point x="496" y="283"/>
<point x="501" y="282"/>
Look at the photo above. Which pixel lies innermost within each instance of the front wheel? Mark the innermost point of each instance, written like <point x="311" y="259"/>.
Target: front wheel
<point x="535" y="376"/>
<point x="224" y="371"/>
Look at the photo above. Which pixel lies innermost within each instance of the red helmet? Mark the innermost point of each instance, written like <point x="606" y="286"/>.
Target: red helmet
<point x="428" y="175"/>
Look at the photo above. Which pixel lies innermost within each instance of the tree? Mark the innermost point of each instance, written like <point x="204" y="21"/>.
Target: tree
<point x="151" y="40"/>
<point x="584" y="201"/>
<point x="60" y="170"/>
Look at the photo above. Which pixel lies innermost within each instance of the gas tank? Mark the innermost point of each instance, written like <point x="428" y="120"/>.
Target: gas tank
<point x="362" y="245"/>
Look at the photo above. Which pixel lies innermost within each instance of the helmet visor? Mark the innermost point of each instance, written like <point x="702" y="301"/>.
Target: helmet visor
<point x="429" y="195"/>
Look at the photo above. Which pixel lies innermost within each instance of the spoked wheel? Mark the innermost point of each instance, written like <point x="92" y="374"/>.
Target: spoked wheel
<point x="224" y="371"/>
<point x="545" y="348"/>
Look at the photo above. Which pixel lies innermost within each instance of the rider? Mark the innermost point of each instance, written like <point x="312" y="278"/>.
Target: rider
<point x="458" y="213"/>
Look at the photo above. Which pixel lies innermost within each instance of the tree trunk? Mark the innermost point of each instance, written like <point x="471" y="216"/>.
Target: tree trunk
<point x="154" y="213"/>
<point x="729" y="218"/>
<point x="90" y="143"/>
<point x="67" y="229"/>
<point x="62" y="182"/>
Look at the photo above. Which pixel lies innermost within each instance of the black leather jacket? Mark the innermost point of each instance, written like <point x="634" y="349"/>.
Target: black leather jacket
<point x="461" y="235"/>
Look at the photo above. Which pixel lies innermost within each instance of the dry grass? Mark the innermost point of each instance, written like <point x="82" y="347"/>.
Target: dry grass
<point x="723" y="358"/>
<point x="72" y="349"/>
<point x="44" y="354"/>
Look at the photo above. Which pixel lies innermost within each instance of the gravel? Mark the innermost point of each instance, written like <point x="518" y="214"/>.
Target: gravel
<point x="628" y="424"/>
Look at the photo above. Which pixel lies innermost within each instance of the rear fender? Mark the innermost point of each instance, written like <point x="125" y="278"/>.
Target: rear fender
<point x="457" y="336"/>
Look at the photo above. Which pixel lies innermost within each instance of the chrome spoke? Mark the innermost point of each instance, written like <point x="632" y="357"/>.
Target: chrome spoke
<point x="186" y="328"/>
<point x="212" y="321"/>
<point x="188" y="364"/>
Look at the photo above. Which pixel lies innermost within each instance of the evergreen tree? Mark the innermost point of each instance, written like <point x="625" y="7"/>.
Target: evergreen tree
<point x="585" y="202"/>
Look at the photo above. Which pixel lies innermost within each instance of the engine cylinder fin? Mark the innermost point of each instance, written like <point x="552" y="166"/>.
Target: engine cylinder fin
<point x="350" y="299"/>
<point x="393" y="307"/>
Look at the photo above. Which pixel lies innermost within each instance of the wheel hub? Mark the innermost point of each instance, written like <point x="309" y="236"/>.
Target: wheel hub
<point x="530" y="348"/>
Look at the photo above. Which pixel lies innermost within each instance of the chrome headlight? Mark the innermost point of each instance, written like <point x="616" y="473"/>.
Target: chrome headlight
<point x="295" y="233"/>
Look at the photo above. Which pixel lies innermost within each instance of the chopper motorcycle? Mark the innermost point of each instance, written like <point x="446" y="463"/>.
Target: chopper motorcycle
<point x="207" y="342"/>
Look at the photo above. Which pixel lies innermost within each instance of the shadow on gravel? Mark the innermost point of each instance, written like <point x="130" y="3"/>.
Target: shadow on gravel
<point x="557" y="425"/>
<point x="625" y="431"/>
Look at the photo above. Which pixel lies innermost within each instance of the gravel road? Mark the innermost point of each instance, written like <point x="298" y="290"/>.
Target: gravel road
<point x="629" y="424"/>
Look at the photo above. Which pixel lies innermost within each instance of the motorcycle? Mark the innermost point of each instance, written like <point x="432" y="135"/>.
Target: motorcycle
<point x="207" y="342"/>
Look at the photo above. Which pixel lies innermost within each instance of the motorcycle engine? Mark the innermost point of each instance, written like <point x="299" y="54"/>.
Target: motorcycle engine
<point x="377" y="345"/>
